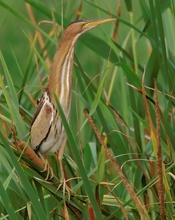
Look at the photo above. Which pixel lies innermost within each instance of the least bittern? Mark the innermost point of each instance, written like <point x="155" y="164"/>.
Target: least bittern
<point x="47" y="132"/>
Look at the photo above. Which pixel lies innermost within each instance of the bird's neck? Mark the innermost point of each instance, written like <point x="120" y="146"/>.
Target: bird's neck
<point x="60" y="80"/>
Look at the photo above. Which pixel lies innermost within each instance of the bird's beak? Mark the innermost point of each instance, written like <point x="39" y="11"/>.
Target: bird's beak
<point x="95" y="23"/>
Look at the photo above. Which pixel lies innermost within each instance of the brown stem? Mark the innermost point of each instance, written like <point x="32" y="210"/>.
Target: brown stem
<point x="142" y="210"/>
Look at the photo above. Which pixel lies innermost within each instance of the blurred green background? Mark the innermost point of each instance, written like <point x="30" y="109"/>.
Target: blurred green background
<point x="110" y="62"/>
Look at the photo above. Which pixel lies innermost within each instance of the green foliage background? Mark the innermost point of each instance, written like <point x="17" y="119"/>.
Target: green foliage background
<point x="110" y="62"/>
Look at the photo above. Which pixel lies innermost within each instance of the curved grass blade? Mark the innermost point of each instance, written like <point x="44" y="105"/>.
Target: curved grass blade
<point x="77" y="157"/>
<point x="9" y="80"/>
<point x="25" y="19"/>
<point x="25" y="182"/>
<point x="103" y="50"/>
<point x="12" y="103"/>
<point x="7" y="204"/>
<point x="132" y="77"/>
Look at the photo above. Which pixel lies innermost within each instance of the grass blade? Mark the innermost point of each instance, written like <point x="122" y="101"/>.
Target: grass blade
<point x="25" y="182"/>
<point x="78" y="160"/>
<point x="12" y="101"/>
<point x="7" y="204"/>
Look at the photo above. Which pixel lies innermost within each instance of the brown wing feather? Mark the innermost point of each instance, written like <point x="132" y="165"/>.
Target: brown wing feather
<point x="41" y="123"/>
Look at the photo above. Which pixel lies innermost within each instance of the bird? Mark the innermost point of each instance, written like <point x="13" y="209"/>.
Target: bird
<point x="47" y="131"/>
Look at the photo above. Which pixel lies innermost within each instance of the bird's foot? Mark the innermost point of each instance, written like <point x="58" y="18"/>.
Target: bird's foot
<point x="65" y="186"/>
<point x="49" y="171"/>
<point x="47" y="168"/>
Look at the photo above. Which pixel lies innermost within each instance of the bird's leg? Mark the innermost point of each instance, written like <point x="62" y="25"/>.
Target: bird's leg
<point x="63" y="180"/>
<point x="59" y="157"/>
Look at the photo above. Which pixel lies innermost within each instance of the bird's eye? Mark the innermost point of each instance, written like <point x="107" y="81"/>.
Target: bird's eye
<point x="38" y="101"/>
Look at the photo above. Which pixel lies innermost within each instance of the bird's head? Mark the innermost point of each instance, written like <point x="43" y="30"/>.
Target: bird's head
<point x="80" y="26"/>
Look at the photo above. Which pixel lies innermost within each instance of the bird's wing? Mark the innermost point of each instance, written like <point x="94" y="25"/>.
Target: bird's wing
<point x="41" y="124"/>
